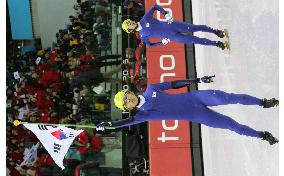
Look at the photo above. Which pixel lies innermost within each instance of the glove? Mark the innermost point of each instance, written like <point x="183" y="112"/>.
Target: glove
<point x="165" y="41"/>
<point x="207" y="79"/>
<point x="101" y="126"/>
<point x="169" y="18"/>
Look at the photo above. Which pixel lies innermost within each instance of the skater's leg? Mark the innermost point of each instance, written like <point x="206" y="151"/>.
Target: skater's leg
<point x="202" y="28"/>
<point x="217" y="97"/>
<point x="190" y="39"/>
<point x="185" y="27"/>
<point x="214" y="119"/>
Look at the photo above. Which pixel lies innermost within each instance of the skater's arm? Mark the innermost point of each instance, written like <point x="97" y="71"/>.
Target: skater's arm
<point x="119" y="123"/>
<point x="157" y="7"/>
<point x="149" y="14"/>
<point x="160" y="86"/>
<point x="123" y="122"/>
<point x="180" y="83"/>
<point x="187" y="82"/>
<point x="172" y="84"/>
<point x="148" y="43"/>
<point x="184" y="83"/>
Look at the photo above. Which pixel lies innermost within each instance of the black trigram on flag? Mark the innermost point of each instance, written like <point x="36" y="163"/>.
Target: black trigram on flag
<point x="56" y="148"/>
<point x="43" y="127"/>
<point x="71" y="135"/>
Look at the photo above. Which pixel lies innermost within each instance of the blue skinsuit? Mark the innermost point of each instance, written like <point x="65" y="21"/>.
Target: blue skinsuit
<point x="154" y="28"/>
<point x="192" y="106"/>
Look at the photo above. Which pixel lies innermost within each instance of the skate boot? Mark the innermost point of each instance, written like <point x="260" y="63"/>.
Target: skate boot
<point x="207" y="79"/>
<point x="222" y="45"/>
<point x="268" y="137"/>
<point x="269" y="103"/>
<point x="221" y="33"/>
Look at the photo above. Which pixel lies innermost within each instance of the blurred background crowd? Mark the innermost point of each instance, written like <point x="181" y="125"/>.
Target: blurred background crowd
<point x="71" y="82"/>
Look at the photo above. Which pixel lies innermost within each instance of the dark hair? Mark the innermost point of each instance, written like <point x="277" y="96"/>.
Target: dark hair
<point x="80" y="16"/>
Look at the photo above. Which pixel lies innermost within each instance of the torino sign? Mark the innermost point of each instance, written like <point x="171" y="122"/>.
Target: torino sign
<point x="169" y="140"/>
<point x="170" y="73"/>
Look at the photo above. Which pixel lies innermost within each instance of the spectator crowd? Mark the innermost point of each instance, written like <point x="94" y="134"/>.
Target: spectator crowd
<point x="62" y="84"/>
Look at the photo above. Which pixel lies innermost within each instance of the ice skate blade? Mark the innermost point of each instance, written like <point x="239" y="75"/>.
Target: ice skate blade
<point x="226" y="33"/>
<point x="227" y="45"/>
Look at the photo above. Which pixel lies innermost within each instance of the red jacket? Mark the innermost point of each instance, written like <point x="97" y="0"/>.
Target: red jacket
<point x="41" y="67"/>
<point x="97" y="144"/>
<point x="84" y="68"/>
<point x="86" y="57"/>
<point x="84" y="138"/>
<point x="21" y="133"/>
<point x="13" y="171"/>
<point x="40" y="94"/>
<point x="45" y="160"/>
<point x="53" y="55"/>
<point x="43" y="104"/>
<point x="17" y="157"/>
<point x="30" y="90"/>
<point x="49" y="77"/>
<point x="42" y="100"/>
<point x="45" y="117"/>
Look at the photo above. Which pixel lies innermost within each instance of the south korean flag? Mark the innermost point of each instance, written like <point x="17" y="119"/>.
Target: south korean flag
<point x="56" y="140"/>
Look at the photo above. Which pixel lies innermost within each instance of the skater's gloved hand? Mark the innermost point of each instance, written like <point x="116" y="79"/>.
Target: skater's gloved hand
<point x="165" y="41"/>
<point x="169" y="18"/>
<point x="102" y="126"/>
<point x="207" y="79"/>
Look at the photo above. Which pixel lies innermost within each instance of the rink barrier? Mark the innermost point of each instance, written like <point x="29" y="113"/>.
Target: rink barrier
<point x="195" y="129"/>
<point x="169" y="141"/>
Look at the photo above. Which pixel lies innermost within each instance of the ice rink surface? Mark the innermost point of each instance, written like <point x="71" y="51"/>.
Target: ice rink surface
<point x="250" y="67"/>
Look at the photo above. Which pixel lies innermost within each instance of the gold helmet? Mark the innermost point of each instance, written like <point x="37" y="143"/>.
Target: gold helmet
<point x="118" y="99"/>
<point x="124" y="25"/>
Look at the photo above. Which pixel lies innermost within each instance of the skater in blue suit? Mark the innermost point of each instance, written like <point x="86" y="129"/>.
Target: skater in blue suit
<point x="156" y="104"/>
<point x="171" y="30"/>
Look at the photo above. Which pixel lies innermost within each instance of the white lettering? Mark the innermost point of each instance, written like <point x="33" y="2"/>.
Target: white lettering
<point x="125" y="74"/>
<point x="125" y="61"/>
<point x="163" y="75"/>
<point x="170" y="127"/>
<point x="173" y="63"/>
<point x="125" y="87"/>
<point x="163" y="138"/>
<point x="169" y="2"/>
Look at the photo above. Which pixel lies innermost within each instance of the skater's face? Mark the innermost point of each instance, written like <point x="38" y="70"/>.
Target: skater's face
<point x="131" y="25"/>
<point x="130" y="101"/>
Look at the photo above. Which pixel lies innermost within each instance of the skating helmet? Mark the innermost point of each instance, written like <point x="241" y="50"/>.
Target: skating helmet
<point x="124" y="25"/>
<point x="118" y="99"/>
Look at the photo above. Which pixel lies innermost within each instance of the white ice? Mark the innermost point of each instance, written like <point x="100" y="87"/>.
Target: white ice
<point x="250" y="67"/>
